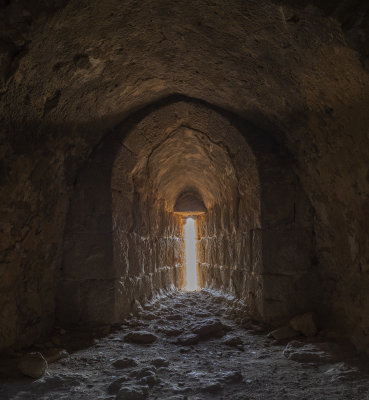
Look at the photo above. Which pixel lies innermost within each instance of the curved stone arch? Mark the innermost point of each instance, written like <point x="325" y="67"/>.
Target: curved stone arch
<point x="98" y="256"/>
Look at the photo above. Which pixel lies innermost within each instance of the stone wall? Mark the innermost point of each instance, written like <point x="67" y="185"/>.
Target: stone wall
<point x="258" y="244"/>
<point x="121" y="245"/>
<point x="283" y="67"/>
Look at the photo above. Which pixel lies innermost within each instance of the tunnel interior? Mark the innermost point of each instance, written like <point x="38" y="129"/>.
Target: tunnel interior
<point x="124" y="238"/>
<point x="122" y="122"/>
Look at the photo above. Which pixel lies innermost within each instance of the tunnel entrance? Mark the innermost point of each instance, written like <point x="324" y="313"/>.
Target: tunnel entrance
<point x="190" y="243"/>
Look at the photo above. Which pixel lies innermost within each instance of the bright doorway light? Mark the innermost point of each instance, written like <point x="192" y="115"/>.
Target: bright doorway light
<point x="190" y="254"/>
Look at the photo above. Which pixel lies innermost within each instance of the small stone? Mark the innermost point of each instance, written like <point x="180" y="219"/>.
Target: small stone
<point x="160" y="362"/>
<point x="212" y="387"/>
<point x="33" y="365"/>
<point x="305" y="324"/>
<point x="140" y="337"/>
<point x="231" y="340"/>
<point x="172" y="331"/>
<point x="143" y="373"/>
<point x="125" y="363"/>
<point x="150" y="381"/>
<point x="231" y="377"/>
<point x="114" y="387"/>
<point x="148" y="316"/>
<point x="184" y="350"/>
<point x="188" y="339"/>
<point x="131" y="393"/>
<point x="285" y="332"/>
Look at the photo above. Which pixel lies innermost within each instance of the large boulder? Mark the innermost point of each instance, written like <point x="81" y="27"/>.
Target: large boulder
<point x="33" y="365"/>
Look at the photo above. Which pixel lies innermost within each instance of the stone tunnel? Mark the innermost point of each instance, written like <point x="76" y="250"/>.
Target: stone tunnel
<point x="120" y="120"/>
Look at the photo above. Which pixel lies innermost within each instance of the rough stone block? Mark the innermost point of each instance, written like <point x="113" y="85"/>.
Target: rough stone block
<point x="286" y="252"/>
<point x="88" y="256"/>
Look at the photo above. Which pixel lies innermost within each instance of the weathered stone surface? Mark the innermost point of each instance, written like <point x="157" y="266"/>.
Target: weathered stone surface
<point x="342" y="372"/>
<point x="159" y="362"/>
<point x="114" y="387"/>
<point x="231" y="377"/>
<point x="210" y="327"/>
<point x="232" y="340"/>
<point x="125" y="363"/>
<point x="285" y="332"/>
<point x="33" y="365"/>
<point x="172" y="331"/>
<point x="305" y="324"/>
<point x="53" y="355"/>
<point x="140" y="337"/>
<point x="207" y="370"/>
<point x="188" y="339"/>
<point x="315" y="353"/>
<point x="146" y="372"/>
<point x="174" y="317"/>
<point x="292" y="187"/>
<point x="131" y="393"/>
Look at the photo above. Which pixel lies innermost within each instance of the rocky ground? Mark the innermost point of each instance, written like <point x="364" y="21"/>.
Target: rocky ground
<point x="188" y="345"/>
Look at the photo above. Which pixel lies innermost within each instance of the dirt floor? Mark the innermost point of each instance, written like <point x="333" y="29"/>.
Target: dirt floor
<point x="192" y="345"/>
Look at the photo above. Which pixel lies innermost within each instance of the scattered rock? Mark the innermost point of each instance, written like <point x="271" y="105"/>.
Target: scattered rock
<point x="125" y="363"/>
<point x="212" y="387"/>
<point x="114" y="387"/>
<point x="148" y="316"/>
<point x="159" y="362"/>
<point x="188" y="339"/>
<point x="342" y="372"/>
<point x="231" y="377"/>
<point x="172" y="331"/>
<point x="52" y="382"/>
<point x="285" y="332"/>
<point x="150" y="380"/>
<point x="33" y="365"/>
<point x="302" y="352"/>
<point x="305" y="324"/>
<point x="131" y="393"/>
<point x="143" y="372"/>
<point x="140" y="337"/>
<point x="209" y="327"/>
<point x="232" y="340"/>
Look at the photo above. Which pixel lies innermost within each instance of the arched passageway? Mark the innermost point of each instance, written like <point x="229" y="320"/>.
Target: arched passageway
<point x="117" y="116"/>
<point x="124" y="242"/>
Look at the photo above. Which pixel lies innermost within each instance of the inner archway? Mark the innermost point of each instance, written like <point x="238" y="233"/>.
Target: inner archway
<point x="125" y="239"/>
